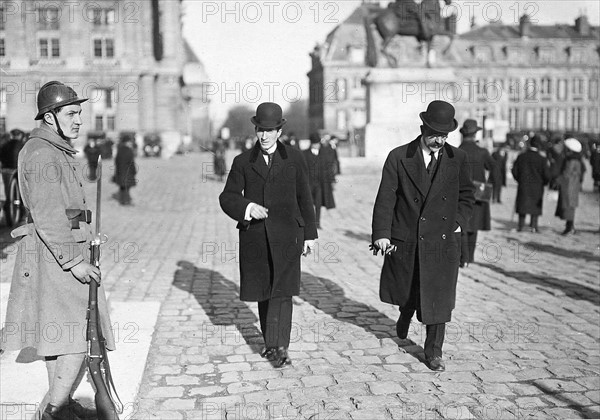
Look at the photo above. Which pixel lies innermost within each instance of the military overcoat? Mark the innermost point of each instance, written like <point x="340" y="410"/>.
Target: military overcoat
<point x="420" y="216"/>
<point x="270" y="249"/>
<point x="47" y="305"/>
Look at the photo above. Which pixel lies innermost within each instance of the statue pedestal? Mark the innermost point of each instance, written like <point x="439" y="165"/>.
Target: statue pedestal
<point x="396" y="97"/>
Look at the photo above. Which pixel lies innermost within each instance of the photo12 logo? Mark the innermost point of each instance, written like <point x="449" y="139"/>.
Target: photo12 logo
<point x="270" y="11"/>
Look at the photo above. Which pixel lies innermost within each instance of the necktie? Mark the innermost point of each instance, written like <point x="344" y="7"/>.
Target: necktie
<point x="269" y="157"/>
<point x="431" y="166"/>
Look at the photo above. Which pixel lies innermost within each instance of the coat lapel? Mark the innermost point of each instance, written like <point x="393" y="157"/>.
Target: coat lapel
<point x="442" y="171"/>
<point x="415" y="166"/>
<point x="257" y="162"/>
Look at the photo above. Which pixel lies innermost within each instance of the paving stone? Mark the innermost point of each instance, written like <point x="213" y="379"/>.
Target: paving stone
<point x="166" y="392"/>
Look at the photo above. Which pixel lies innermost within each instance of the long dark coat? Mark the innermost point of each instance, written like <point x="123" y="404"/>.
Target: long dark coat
<point x="569" y="185"/>
<point x="270" y="249"/>
<point x="532" y="172"/>
<point x="45" y="299"/>
<point x="501" y="157"/>
<point x="321" y="175"/>
<point x="480" y="161"/>
<point x="125" y="168"/>
<point x="421" y="217"/>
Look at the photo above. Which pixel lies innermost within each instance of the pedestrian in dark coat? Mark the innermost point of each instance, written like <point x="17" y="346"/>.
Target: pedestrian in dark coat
<point x="9" y="152"/>
<point x="500" y="156"/>
<point x="92" y="153"/>
<point x="219" y="149"/>
<point x="49" y="290"/>
<point x="125" y="170"/>
<point x="483" y="169"/>
<point x="595" y="164"/>
<point x="569" y="184"/>
<point x="424" y="201"/>
<point x="268" y="194"/>
<point x="321" y="174"/>
<point x="531" y="170"/>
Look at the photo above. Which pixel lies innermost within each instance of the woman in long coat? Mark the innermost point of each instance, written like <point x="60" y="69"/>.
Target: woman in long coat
<point x="569" y="184"/>
<point x="532" y="172"/>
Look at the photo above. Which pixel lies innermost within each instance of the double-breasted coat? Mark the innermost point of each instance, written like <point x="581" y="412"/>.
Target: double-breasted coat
<point x="47" y="305"/>
<point x="480" y="161"/>
<point x="531" y="171"/>
<point x="421" y="216"/>
<point x="321" y="176"/>
<point x="270" y="249"/>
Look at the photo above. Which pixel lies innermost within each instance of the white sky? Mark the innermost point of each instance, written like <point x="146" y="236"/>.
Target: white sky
<point x="256" y="51"/>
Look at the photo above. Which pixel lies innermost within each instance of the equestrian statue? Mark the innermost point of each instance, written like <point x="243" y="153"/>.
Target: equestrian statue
<point x="407" y="18"/>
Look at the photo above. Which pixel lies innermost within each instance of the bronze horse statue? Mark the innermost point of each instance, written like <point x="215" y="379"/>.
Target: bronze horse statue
<point x="405" y="17"/>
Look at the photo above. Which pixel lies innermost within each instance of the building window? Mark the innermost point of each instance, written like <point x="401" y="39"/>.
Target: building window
<point x="576" y="119"/>
<point x="531" y="90"/>
<point x="546" y="88"/>
<point x="49" y="47"/>
<point x="49" y="19"/>
<point x="103" y="17"/>
<point x="103" y="109"/>
<point x="578" y="88"/>
<point x="2" y="50"/>
<point x="530" y="119"/>
<point x="514" y="90"/>
<point x="341" y="123"/>
<point x="593" y="89"/>
<point x="104" y="48"/>
<point x="593" y="118"/>
<point x="340" y="89"/>
<point x="562" y="89"/>
<point x="545" y="118"/>
<point x="561" y="119"/>
<point x="2" y="17"/>
<point x="513" y="118"/>
<point x="545" y="55"/>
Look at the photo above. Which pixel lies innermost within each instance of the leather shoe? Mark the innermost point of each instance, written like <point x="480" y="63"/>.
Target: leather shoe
<point x="402" y="326"/>
<point x="270" y="353"/>
<point x="283" y="359"/>
<point x="436" y="364"/>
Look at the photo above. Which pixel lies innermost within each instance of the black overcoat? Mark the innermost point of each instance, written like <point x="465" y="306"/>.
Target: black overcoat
<point x="125" y="168"/>
<point x="270" y="249"/>
<point x="321" y="175"/>
<point x="420" y="216"/>
<point x="532" y="171"/>
<point x="480" y="161"/>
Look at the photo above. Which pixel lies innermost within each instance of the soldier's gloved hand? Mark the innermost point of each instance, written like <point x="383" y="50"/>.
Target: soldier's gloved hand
<point x="308" y="247"/>
<point x="259" y="212"/>
<point x="86" y="272"/>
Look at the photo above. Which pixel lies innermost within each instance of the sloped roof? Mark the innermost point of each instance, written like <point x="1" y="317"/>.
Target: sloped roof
<point x="496" y="32"/>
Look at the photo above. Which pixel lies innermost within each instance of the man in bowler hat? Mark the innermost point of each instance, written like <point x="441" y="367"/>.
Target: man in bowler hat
<point x="267" y="192"/>
<point x="424" y="201"/>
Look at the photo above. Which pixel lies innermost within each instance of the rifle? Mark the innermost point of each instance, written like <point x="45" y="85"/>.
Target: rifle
<point x="108" y="404"/>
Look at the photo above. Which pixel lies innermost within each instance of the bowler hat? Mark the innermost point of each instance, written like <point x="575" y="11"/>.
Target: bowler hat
<point x="268" y="115"/>
<point x="315" y="138"/>
<point x="439" y="117"/>
<point x="469" y="127"/>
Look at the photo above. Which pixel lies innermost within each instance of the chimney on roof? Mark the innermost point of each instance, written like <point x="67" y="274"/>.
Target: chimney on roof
<point x="524" y="26"/>
<point x="582" y="25"/>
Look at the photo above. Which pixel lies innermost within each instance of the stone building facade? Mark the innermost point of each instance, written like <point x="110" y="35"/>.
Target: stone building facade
<point x="525" y="77"/>
<point x="127" y="57"/>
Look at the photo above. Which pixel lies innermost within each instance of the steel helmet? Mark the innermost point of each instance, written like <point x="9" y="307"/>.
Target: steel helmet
<point x="55" y="95"/>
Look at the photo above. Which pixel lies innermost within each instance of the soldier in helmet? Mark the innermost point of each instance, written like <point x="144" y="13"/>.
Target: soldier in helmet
<point x="49" y="284"/>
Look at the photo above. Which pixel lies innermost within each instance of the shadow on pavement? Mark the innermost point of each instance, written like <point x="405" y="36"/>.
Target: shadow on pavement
<point x="330" y="298"/>
<point x="364" y="237"/>
<point x="572" y="290"/>
<point x="587" y="412"/>
<point x="219" y="297"/>
<point x="562" y="252"/>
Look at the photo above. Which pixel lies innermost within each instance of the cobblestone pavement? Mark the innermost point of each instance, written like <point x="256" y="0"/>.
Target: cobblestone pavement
<point x="523" y="343"/>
